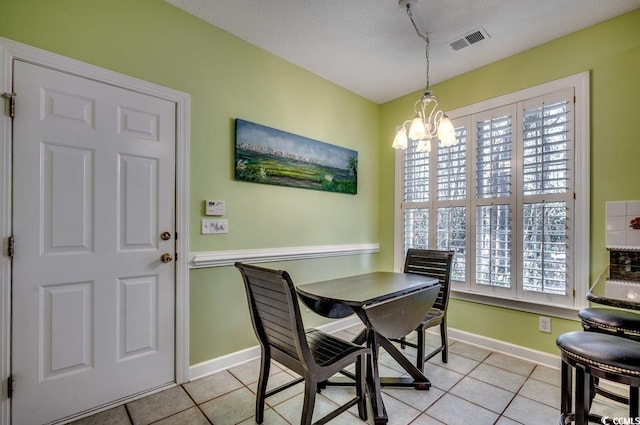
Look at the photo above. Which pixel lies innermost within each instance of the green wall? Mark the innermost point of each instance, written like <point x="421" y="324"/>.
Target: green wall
<point x="611" y="52"/>
<point x="228" y="78"/>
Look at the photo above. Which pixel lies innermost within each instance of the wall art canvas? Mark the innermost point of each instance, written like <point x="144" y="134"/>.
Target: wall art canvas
<point x="266" y="155"/>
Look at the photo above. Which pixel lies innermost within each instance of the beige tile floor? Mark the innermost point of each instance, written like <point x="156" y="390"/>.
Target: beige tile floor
<point x="476" y="387"/>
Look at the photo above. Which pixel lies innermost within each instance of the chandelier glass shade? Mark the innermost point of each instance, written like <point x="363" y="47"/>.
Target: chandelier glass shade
<point x="429" y="122"/>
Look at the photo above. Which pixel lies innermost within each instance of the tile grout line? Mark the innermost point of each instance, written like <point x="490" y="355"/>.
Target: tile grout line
<point x="126" y="409"/>
<point x="197" y="405"/>
<point x="460" y="371"/>
<point x="528" y="376"/>
<point x="269" y="406"/>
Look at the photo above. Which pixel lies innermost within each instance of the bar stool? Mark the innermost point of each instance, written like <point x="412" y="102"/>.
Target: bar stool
<point x="620" y="322"/>
<point x="596" y="355"/>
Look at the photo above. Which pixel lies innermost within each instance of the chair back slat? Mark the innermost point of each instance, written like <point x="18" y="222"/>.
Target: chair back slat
<point x="274" y="310"/>
<point x="432" y="263"/>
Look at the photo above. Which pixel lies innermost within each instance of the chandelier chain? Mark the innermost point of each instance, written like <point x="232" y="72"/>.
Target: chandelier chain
<point x="429" y="123"/>
<point x="425" y="37"/>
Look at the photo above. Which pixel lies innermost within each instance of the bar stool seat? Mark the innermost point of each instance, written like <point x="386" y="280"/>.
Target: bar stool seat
<point x="621" y="322"/>
<point x="596" y="355"/>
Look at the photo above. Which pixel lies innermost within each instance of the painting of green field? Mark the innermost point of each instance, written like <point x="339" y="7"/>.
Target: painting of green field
<point x="266" y="155"/>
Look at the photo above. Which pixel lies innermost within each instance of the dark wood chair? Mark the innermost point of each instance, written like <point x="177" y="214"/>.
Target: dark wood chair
<point x="313" y="354"/>
<point x="437" y="264"/>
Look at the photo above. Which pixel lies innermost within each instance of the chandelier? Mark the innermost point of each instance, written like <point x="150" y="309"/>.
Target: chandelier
<point x="429" y="122"/>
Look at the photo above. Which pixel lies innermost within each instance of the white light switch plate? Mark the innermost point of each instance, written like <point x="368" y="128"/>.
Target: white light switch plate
<point x="214" y="225"/>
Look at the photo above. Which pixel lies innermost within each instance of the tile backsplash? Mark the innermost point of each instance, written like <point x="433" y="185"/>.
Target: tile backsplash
<point x="623" y="224"/>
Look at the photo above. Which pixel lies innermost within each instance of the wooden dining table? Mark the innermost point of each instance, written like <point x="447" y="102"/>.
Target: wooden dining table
<point x="391" y="305"/>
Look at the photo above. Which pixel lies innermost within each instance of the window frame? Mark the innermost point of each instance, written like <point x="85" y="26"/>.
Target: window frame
<point x="579" y="268"/>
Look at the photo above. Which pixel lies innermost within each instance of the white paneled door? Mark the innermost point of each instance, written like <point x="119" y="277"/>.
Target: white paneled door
<point x="93" y="311"/>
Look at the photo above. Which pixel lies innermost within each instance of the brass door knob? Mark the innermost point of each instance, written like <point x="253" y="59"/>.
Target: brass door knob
<point x="166" y="258"/>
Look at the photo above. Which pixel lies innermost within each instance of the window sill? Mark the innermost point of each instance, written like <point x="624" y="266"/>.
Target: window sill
<point x="563" y="312"/>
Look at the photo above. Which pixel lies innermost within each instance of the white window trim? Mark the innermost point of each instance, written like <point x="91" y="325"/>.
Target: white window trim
<point x="581" y="246"/>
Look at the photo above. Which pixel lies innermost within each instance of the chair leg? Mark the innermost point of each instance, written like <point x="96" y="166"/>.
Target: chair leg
<point x="361" y="389"/>
<point x="633" y="402"/>
<point x="583" y="380"/>
<point x="421" y="343"/>
<point x="443" y="339"/>
<point x="265" y="364"/>
<point x="310" y="388"/>
<point x="566" y="390"/>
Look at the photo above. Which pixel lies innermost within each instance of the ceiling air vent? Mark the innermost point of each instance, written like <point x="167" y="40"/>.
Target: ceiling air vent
<point x="469" y="39"/>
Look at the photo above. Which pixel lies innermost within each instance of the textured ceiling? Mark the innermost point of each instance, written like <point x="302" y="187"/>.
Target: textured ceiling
<point x="370" y="47"/>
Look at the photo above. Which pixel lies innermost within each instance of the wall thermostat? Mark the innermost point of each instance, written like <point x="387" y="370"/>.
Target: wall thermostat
<point x="214" y="207"/>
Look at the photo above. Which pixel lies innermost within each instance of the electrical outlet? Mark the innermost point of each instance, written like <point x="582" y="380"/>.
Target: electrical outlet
<point x="544" y="324"/>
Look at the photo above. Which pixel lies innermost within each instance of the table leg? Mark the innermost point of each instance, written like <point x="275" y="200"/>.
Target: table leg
<point x="373" y="381"/>
<point x="419" y="382"/>
<point x="361" y="338"/>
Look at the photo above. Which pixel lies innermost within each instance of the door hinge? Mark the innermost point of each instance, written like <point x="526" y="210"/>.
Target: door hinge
<point x="9" y="386"/>
<point x="11" y="104"/>
<point x="11" y="246"/>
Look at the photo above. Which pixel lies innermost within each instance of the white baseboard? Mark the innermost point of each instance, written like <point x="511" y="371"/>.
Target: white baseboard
<point x="524" y="353"/>
<point x="218" y="364"/>
<point x="230" y="360"/>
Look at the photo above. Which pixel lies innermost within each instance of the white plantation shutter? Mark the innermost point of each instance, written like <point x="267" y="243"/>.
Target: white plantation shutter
<point x="452" y="169"/>
<point x="451" y="188"/>
<point x="452" y="236"/>
<point x="493" y="157"/>
<point x="416" y="197"/>
<point x="503" y="199"/>
<point x="547" y="193"/>
<point x="545" y="137"/>
<point x="416" y="228"/>
<point x="545" y="247"/>
<point x="493" y="197"/>
<point x="493" y="245"/>
<point x="416" y="174"/>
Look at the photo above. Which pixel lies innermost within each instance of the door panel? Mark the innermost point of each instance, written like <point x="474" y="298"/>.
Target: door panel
<point x="66" y="322"/>
<point x="138" y="227"/>
<point x="94" y="186"/>
<point x="69" y="227"/>
<point x="138" y="319"/>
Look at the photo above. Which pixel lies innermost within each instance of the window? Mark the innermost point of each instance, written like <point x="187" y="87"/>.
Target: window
<point x="511" y="198"/>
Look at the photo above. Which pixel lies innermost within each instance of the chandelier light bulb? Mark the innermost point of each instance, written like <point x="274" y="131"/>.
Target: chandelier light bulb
<point x="417" y="130"/>
<point x="400" y="141"/>
<point x="446" y="132"/>
<point x="424" y="145"/>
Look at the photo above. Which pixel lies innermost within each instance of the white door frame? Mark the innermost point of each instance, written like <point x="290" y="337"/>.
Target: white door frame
<point x="10" y="50"/>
